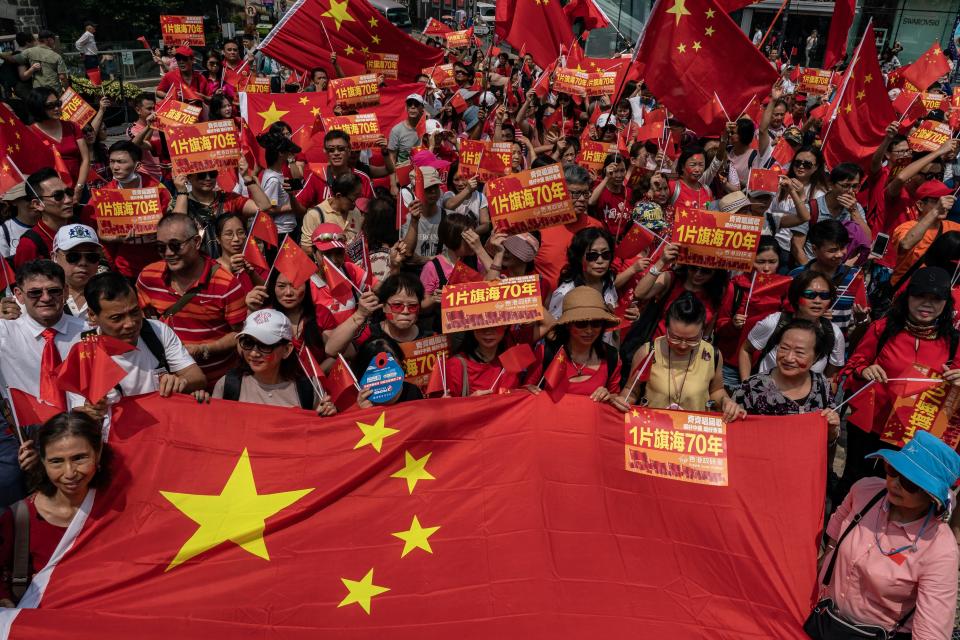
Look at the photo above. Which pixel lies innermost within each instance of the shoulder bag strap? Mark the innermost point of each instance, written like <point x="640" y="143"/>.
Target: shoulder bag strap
<point x="152" y="340"/>
<point x="20" y="575"/>
<point x="305" y="392"/>
<point x="231" y="385"/>
<point x="441" y="276"/>
<point x="853" y="524"/>
<point x="185" y="299"/>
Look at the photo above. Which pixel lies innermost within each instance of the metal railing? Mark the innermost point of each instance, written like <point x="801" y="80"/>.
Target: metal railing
<point x="131" y="65"/>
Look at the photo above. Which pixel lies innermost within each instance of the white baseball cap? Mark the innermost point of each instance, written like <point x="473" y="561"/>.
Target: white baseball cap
<point x="605" y="120"/>
<point x="487" y="99"/>
<point x="72" y="235"/>
<point x="267" y="326"/>
<point x="433" y="126"/>
<point x="416" y="97"/>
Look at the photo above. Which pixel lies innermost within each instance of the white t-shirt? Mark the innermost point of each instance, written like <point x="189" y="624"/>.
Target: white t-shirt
<point x="272" y="184"/>
<point x="428" y="240"/>
<point x="763" y="331"/>
<point x="12" y="229"/>
<point x="471" y="206"/>
<point x="142" y="367"/>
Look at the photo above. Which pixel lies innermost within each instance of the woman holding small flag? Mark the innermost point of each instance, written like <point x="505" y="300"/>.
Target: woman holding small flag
<point x="292" y="301"/>
<point x="575" y="358"/>
<point x="232" y="237"/>
<point x="681" y="370"/>
<point x="915" y="340"/>
<point x="269" y="372"/>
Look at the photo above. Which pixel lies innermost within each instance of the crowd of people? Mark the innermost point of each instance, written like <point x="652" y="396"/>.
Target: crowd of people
<point x="644" y="329"/>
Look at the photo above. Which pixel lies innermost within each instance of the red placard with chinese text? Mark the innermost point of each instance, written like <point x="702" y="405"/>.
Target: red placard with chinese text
<point x="420" y="357"/>
<point x="528" y="200"/>
<point x="442" y="75"/>
<point x="676" y="445"/>
<point x="458" y="39"/>
<point x="491" y="303"/>
<point x="355" y="91"/>
<point x="363" y="129"/>
<point x="386" y="64"/>
<point x="75" y="109"/>
<point x="601" y="84"/>
<point x="933" y="101"/>
<point x="716" y="240"/>
<point x="929" y="136"/>
<point x="470" y="154"/>
<point x="172" y="113"/>
<point x="936" y="410"/>
<point x="187" y="30"/>
<point x="814" y="81"/>
<point x="258" y="84"/>
<point x="593" y="154"/>
<point x="570" y="81"/>
<point x="204" y="146"/>
<point x="121" y="211"/>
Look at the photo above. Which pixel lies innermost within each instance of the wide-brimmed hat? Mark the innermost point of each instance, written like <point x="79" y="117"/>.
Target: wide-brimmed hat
<point x="586" y="303"/>
<point x="733" y="202"/>
<point x="523" y="246"/>
<point x="928" y="462"/>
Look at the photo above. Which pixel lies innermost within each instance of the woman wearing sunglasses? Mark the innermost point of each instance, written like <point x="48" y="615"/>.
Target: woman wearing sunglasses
<point x="43" y="105"/>
<point x="392" y="311"/>
<point x="806" y="169"/>
<point x="610" y="199"/>
<point x="915" y="340"/>
<point x="589" y="261"/>
<point x="269" y="372"/>
<point x="890" y="560"/>
<point x="592" y="367"/>
<point x="214" y="81"/>
<point x="811" y="293"/>
<point x="685" y="371"/>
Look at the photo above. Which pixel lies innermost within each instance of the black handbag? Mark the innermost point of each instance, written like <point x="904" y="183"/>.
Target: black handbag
<point x="826" y="623"/>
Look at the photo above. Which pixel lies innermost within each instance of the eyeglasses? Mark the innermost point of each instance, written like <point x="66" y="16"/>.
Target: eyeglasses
<point x="174" y="246"/>
<point x="36" y="294"/>
<point x="592" y="324"/>
<point x="73" y="257"/>
<point x="207" y="175"/>
<point x="803" y="164"/>
<point x="336" y="149"/>
<point x="60" y="194"/>
<point x="690" y="342"/>
<point x="908" y="486"/>
<point x="594" y="256"/>
<point x="809" y="294"/>
<point x="213" y="63"/>
<point x="932" y="175"/>
<point x="247" y="343"/>
<point x="402" y="307"/>
<point x="52" y="105"/>
<point x="576" y="195"/>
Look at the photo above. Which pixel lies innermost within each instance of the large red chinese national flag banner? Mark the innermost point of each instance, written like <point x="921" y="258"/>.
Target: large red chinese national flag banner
<point x="686" y="51"/>
<point x="503" y="516"/>
<point x="313" y="29"/>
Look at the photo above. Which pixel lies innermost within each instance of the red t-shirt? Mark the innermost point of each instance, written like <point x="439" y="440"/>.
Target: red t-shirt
<point x="67" y="145"/>
<point x="614" y="210"/>
<point x="598" y="377"/>
<point x="316" y="189"/>
<point x="28" y="250"/>
<point x="173" y="78"/>
<point x="689" y="197"/>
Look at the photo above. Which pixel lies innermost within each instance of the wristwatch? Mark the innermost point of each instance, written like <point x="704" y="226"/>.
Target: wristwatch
<point x="248" y="181"/>
<point x="654" y="271"/>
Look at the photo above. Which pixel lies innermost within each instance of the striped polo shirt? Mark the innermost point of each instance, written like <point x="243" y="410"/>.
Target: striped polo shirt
<point x="210" y="315"/>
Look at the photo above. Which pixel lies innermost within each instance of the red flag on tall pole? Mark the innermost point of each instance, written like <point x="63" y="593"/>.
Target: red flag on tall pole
<point x="353" y="30"/>
<point x="927" y="68"/>
<point x="685" y="50"/>
<point x="861" y="111"/>
<point x="840" y="23"/>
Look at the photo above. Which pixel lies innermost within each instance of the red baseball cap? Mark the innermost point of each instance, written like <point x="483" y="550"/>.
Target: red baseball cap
<point x="184" y="51"/>
<point x="932" y="189"/>
<point x="328" y="236"/>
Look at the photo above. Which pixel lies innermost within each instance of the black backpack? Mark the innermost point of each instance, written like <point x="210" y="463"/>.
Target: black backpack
<point x="234" y="378"/>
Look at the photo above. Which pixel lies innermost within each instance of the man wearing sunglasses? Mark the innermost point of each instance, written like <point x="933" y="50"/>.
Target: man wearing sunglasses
<point x="913" y="238"/>
<point x="52" y="200"/>
<point x="77" y="250"/>
<point x="33" y="345"/>
<point x="183" y="75"/>
<point x="205" y="201"/>
<point x="336" y="144"/>
<point x="190" y="293"/>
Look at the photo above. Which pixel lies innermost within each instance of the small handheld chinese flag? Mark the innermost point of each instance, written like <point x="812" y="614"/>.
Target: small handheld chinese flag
<point x="89" y="369"/>
<point x="911" y="387"/>
<point x="863" y="406"/>
<point x="9" y="278"/>
<point x="253" y="255"/>
<point x="295" y="265"/>
<point x="458" y="103"/>
<point x="766" y="180"/>
<point x="263" y="228"/>
<point x="517" y="358"/>
<point x="341" y="385"/>
<point x="338" y="282"/>
<point x="637" y="239"/>
<point x="782" y="152"/>
<point x="463" y="273"/>
<point x="927" y="68"/>
<point x="143" y="40"/>
<point x="555" y="377"/>
<point x="419" y="188"/>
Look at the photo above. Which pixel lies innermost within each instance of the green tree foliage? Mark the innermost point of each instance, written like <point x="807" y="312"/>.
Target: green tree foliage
<point x="123" y="19"/>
